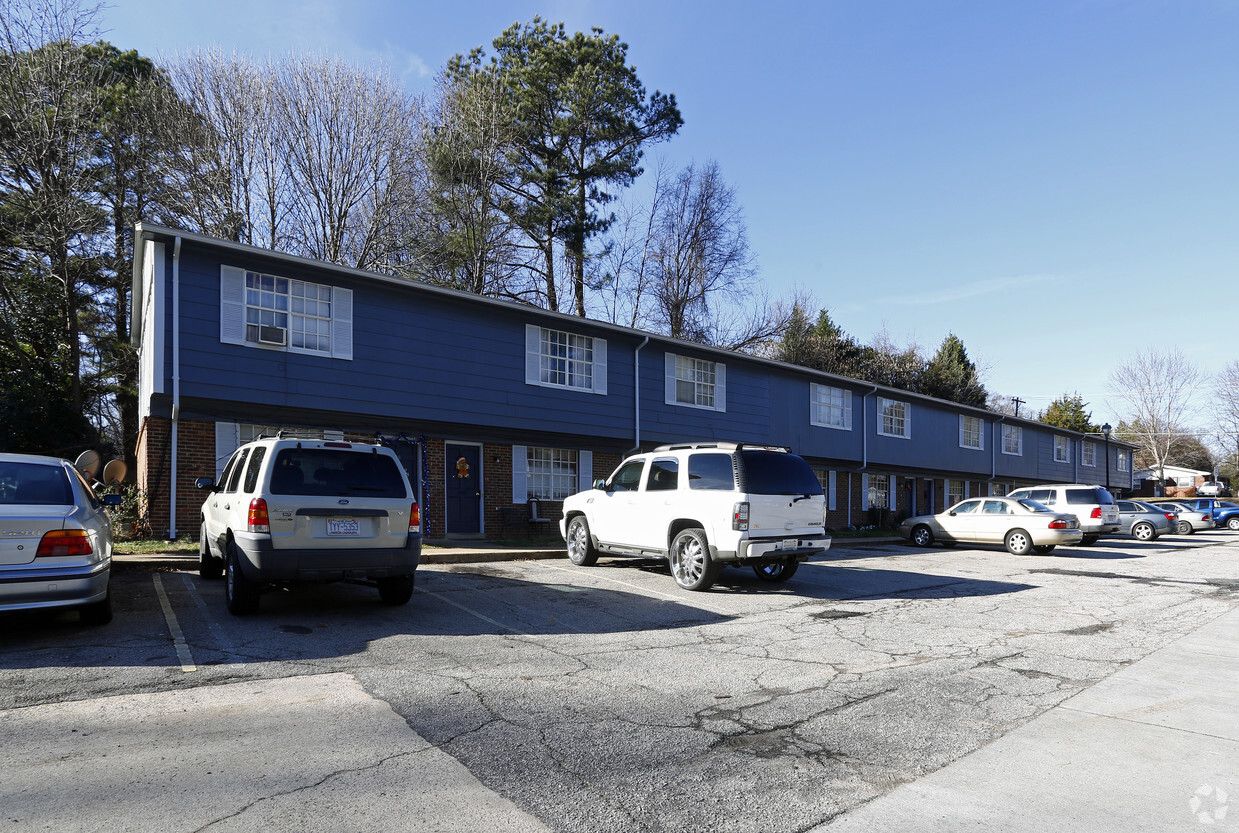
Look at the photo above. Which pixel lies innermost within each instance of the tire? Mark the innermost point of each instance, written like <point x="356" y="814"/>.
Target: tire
<point x="1018" y="542"/>
<point x="240" y="594"/>
<point x="922" y="536"/>
<point x="1185" y="528"/>
<point x="1089" y="540"/>
<point x="777" y="570"/>
<point x="1044" y="548"/>
<point x="395" y="590"/>
<point x="97" y="613"/>
<point x="1143" y="532"/>
<point x="691" y="564"/>
<point x="580" y="546"/>
<point x="209" y="567"/>
<point x="1233" y="523"/>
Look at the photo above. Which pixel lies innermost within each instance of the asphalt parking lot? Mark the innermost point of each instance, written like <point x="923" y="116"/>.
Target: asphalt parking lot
<point x="539" y="695"/>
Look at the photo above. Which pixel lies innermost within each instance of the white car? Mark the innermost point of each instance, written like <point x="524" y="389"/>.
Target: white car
<point x="1093" y="505"/>
<point x="702" y="506"/>
<point x="55" y="538"/>
<point x="1022" y="526"/>
<point x="296" y="510"/>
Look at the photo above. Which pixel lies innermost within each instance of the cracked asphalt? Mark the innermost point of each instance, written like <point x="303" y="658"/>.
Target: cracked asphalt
<point x="601" y="698"/>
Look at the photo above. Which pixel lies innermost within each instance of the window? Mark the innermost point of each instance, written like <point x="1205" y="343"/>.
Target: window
<point x="1012" y="440"/>
<point x="893" y="418"/>
<point x="664" y="475"/>
<point x="551" y="473"/>
<point x="879" y="491"/>
<point x="236" y="471"/>
<point x="1088" y="453"/>
<point x="278" y="313"/>
<point x="251" y="474"/>
<point x="1123" y="461"/>
<point x="713" y="472"/>
<point x="954" y="492"/>
<point x="970" y="432"/>
<point x="1060" y="449"/>
<point x="830" y="407"/>
<point x="999" y="489"/>
<point x="696" y="383"/>
<point x="559" y="359"/>
<point x="628" y="478"/>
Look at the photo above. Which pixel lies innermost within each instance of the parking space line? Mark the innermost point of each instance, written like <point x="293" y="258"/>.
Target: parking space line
<point x="471" y="612"/>
<point x="224" y="643"/>
<point x="174" y="627"/>
<point x="615" y="581"/>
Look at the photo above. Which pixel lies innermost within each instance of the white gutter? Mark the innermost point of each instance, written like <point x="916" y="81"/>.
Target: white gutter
<point x="176" y="381"/>
<point x="636" y="396"/>
<point x="864" y="430"/>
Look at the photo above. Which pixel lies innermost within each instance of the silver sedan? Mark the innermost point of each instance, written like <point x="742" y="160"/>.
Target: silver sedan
<point x="1021" y="525"/>
<point x="55" y="538"/>
<point x="1189" y="519"/>
<point x="1144" y="521"/>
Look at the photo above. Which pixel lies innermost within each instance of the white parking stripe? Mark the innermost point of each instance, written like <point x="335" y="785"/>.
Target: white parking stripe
<point x="174" y="627"/>
<point x="224" y="643"/>
<point x="471" y="612"/>
<point x="603" y="577"/>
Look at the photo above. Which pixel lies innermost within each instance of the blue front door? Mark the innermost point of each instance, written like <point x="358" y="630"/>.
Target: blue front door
<point x="463" y="503"/>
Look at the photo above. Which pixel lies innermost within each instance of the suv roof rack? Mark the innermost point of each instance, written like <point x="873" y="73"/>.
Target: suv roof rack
<point x="722" y="445"/>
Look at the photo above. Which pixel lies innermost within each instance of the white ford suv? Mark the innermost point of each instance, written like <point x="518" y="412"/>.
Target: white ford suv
<point x="702" y="506"/>
<point x="296" y="510"/>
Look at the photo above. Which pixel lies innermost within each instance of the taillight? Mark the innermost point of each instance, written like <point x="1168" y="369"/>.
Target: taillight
<point x="64" y="542"/>
<point x="1096" y="512"/>
<point x="258" y="520"/>
<point x="1206" y="517"/>
<point x="1170" y="516"/>
<point x="740" y="516"/>
<point x="1058" y="524"/>
<point x="415" y="519"/>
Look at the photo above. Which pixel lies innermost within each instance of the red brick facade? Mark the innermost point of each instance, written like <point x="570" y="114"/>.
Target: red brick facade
<point x="195" y="458"/>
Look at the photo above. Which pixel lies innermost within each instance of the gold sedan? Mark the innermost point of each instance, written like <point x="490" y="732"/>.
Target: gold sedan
<point x="1022" y="526"/>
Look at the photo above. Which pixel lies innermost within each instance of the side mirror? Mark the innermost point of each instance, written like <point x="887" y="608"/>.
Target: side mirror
<point x="600" y="484"/>
<point x="112" y="500"/>
<point x="204" y="483"/>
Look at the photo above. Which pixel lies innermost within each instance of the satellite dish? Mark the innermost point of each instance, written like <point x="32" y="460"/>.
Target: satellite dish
<point x="114" y="472"/>
<point x="88" y="463"/>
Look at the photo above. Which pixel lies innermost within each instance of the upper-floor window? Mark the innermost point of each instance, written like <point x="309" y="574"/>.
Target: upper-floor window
<point x="1123" y="461"/>
<point x="1012" y="439"/>
<point x="893" y="418"/>
<point x="697" y="383"/>
<point x="1060" y="449"/>
<point x="559" y="359"/>
<point x="830" y="407"/>
<point x="280" y="313"/>
<point x="1088" y="453"/>
<point x="971" y="434"/>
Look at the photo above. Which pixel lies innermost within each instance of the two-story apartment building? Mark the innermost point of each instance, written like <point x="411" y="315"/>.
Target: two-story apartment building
<point x="492" y="404"/>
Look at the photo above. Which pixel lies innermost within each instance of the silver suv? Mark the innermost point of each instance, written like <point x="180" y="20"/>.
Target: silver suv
<point x="702" y="506"/>
<point x="295" y="510"/>
<point x="1093" y="505"/>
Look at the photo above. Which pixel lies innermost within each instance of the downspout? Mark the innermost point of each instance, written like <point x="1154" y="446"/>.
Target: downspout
<point x="176" y="380"/>
<point x="864" y="446"/>
<point x="993" y="452"/>
<point x="636" y="398"/>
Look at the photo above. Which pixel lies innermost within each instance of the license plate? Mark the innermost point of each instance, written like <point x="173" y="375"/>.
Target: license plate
<point x="789" y="544"/>
<point x="343" y="526"/>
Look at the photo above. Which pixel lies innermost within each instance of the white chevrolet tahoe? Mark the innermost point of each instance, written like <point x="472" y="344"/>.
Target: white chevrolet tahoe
<point x="702" y="506"/>
<point x="298" y="510"/>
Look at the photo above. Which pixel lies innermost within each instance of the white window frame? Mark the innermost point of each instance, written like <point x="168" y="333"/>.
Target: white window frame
<point x="954" y="496"/>
<point x="1062" y="453"/>
<point x="584" y="360"/>
<point x="1018" y="432"/>
<point x="1123" y="461"/>
<point x="971" y="432"/>
<point x="681" y="368"/>
<point x="878" y="491"/>
<point x="998" y="488"/>
<point x="235" y="301"/>
<point x="830" y="407"/>
<point x="886" y="422"/>
<point x="551" y="473"/>
<point x="1088" y="454"/>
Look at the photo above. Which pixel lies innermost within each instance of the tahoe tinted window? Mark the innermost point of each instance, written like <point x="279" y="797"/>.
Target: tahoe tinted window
<point x="711" y="471"/>
<point x="628" y="478"/>
<point x="663" y="475"/>
<point x="769" y="473"/>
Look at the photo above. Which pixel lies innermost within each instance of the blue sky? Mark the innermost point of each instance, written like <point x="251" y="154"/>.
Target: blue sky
<point x="1055" y="182"/>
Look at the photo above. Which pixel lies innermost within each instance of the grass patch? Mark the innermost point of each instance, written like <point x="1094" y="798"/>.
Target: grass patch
<point x="154" y="546"/>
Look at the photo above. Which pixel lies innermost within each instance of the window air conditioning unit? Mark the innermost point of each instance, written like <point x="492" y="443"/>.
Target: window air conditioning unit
<point x="273" y="335"/>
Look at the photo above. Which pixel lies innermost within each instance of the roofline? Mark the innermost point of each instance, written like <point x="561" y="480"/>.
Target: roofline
<point x="148" y="231"/>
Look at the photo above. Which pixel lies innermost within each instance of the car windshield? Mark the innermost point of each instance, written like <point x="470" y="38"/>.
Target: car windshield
<point x="327" y="471"/>
<point x="1033" y="506"/>
<point x="34" y="484"/>
<point x="777" y="473"/>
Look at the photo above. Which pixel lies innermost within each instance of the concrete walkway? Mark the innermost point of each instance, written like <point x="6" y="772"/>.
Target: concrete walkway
<point x="1154" y="747"/>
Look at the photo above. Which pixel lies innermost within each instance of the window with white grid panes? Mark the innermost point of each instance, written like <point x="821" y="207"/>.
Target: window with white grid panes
<point x="694" y="381"/>
<point x="1088" y="454"/>
<point x="1060" y="449"/>
<point x="892" y="418"/>
<point x="551" y="473"/>
<point x="566" y="359"/>
<point x="954" y="492"/>
<point x="879" y="491"/>
<point x="1012" y="440"/>
<point x="970" y="432"/>
<point x="300" y="308"/>
<point x="831" y="406"/>
<point x="1123" y="461"/>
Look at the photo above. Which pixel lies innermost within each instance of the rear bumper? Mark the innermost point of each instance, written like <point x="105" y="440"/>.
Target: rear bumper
<point x="263" y="562"/>
<point x="33" y="588"/>
<point x="759" y="550"/>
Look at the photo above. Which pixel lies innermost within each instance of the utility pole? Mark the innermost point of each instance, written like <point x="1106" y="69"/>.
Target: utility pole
<point x="1018" y="402"/>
